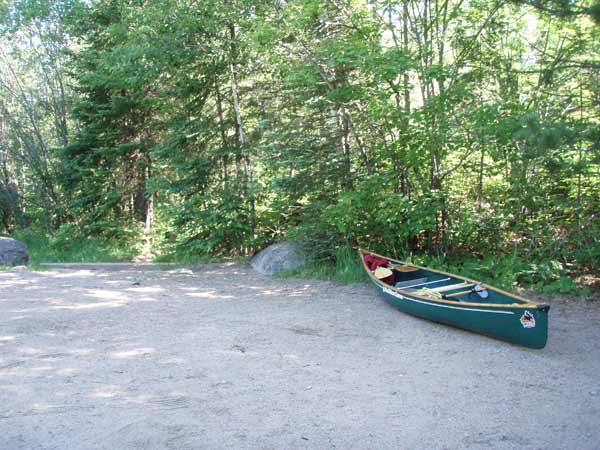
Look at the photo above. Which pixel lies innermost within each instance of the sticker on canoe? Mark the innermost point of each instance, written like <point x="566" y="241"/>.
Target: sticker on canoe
<point x="527" y="320"/>
<point x="394" y="293"/>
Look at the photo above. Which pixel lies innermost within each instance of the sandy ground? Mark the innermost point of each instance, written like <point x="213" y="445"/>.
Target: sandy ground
<point x="224" y="358"/>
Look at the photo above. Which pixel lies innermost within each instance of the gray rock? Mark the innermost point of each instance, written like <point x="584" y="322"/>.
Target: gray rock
<point x="12" y="252"/>
<point x="278" y="257"/>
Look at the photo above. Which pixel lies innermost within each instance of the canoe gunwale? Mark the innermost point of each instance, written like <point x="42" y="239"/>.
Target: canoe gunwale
<point x="523" y="303"/>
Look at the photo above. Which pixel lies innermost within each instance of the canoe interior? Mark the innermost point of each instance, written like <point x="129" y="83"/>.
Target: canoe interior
<point x="447" y="285"/>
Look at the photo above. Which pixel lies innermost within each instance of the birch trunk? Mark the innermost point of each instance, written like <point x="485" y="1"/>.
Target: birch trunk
<point x="240" y="131"/>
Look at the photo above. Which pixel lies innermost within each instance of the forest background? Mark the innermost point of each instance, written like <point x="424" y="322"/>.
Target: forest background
<point x="461" y="134"/>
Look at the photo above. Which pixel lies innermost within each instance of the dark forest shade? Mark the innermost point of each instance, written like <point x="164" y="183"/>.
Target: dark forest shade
<point x="455" y="300"/>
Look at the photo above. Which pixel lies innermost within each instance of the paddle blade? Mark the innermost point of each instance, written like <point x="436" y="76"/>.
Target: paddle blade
<point x="481" y="291"/>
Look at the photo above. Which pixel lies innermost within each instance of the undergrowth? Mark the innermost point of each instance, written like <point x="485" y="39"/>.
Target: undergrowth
<point x="345" y="268"/>
<point x="343" y="265"/>
<point x="545" y="277"/>
<point x="68" y="249"/>
<point x="549" y="277"/>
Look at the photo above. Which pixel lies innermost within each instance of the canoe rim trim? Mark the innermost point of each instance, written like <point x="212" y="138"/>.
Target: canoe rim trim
<point x="523" y="302"/>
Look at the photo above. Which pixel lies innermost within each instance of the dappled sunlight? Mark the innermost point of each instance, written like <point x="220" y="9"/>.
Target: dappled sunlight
<point x="68" y="371"/>
<point x="105" y="294"/>
<point x="29" y="350"/>
<point x="108" y="392"/>
<point x="14" y="282"/>
<point x="285" y="292"/>
<point x="114" y="299"/>
<point x="82" y="351"/>
<point x="98" y="305"/>
<point x="211" y="295"/>
<point x="29" y="371"/>
<point x="143" y="351"/>
<point x="140" y="399"/>
<point x="282" y="292"/>
<point x="145" y="299"/>
<point x="71" y="274"/>
<point x="17" y="318"/>
<point x="298" y="291"/>
<point x="171" y="360"/>
<point x="146" y="289"/>
<point x="24" y="310"/>
<point x="237" y="351"/>
<point x="40" y="407"/>
<point x="122" y="396"/>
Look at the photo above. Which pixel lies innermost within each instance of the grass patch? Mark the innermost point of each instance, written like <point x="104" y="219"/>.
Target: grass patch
<point x="43" y="248"/>
<point x="346" y="269"/>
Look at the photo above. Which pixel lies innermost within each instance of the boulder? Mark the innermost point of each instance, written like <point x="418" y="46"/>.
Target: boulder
<point x="278" y="257"/>
<point x="12" y="252"/>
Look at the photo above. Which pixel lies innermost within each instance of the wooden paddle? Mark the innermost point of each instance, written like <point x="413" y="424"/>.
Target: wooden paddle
<point x="471" y="291"/>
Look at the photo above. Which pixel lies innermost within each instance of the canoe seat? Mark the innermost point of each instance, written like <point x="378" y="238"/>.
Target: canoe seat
<point x="405" y="268"/>
<point x="452" y="287"/>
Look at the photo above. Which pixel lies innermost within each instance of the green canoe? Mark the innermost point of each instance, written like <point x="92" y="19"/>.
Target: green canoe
<point x="458" y="301"/>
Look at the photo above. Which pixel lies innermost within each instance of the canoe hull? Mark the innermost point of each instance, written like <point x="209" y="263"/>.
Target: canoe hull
<point x="526" y="327"/>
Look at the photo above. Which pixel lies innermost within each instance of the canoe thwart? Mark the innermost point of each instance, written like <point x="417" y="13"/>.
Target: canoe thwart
<point x="418" y="283"/>
<point x="452" y="287"/>
<point x="402" y="284"/>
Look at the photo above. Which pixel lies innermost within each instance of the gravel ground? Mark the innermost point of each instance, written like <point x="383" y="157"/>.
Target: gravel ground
<point x="224" y="358"/>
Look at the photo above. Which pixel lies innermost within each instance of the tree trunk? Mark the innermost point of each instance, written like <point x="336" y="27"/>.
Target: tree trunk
<point x="149" y="206"/>
<point x="225" y="156"/>
<point x="240" y="130"/>
<point x="480" y="179"/>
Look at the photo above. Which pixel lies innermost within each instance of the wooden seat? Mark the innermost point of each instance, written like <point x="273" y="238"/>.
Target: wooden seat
<point x="452" y="287"/>
<point x="405" y="268"/>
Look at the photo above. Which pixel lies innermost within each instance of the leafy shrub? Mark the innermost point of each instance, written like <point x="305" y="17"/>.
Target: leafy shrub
<point x="379" y="219"/>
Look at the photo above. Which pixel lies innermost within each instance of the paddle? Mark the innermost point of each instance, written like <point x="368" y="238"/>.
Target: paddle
<point x="479" y="289"/>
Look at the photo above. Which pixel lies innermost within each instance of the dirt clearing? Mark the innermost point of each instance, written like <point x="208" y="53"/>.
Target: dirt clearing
<point x="224" y="358"/>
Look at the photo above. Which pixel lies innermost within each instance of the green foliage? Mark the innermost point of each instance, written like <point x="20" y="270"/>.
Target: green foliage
<point x="549" y="277"/>
<point x="209" y="228"/>
<point x="380" y="219"/>
<point x="468" y="137"/>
